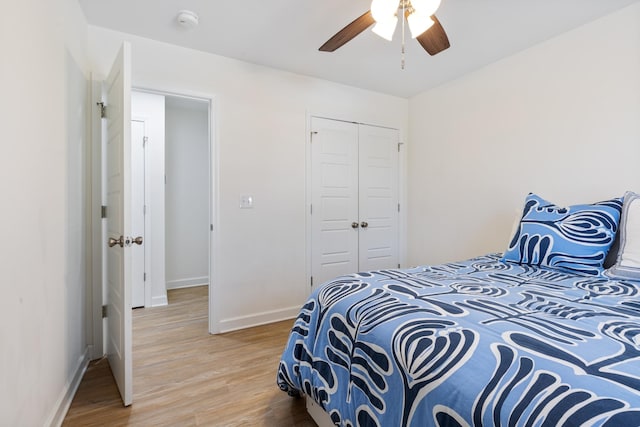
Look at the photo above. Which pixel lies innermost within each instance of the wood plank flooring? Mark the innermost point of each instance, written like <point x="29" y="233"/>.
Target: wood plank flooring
<point x="182" y="376"/>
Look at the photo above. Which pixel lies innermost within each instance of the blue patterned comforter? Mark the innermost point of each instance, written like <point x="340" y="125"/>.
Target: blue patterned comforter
<point x="474" y="343"/>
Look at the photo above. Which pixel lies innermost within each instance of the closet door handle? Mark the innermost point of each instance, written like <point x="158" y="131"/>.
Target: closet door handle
<point x="355" y="225"/>
<point x="113" y="242"/>
<point x="364" y="224"/>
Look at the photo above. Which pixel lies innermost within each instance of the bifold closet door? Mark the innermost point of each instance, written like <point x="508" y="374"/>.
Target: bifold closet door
<point x="334" y="201"/>
<point x="354" y="203"/>
<point x="378" y="198"/>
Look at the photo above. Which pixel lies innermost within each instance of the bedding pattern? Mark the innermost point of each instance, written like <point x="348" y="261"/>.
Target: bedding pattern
<point x="574" y="238"/>
<point x="474" y="343"/>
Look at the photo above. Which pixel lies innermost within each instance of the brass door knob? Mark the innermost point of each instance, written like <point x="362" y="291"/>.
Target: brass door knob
<point x="355" y="225"/>
<point x="113" y="242"/>
<point x="138" y="240"/>
<point x="364" y="224"/>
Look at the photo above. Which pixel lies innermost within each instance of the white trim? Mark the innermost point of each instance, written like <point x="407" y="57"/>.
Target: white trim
<point x="214" y="216"/>
<point x="402" y="199"/>
<point x="64" y="402"/>
<point x="258" y="319"/>
<point x="159" y="301"/>
<point x="97" y="223"/>
<point x="308" y="198"/>
<point x="188" y="283"/>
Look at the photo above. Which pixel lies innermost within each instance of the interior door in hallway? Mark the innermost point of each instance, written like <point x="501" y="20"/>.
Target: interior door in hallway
<point x="138" y="212"/>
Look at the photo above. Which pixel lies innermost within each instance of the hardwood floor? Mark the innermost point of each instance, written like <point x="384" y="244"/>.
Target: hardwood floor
<point x="182" y="376"/>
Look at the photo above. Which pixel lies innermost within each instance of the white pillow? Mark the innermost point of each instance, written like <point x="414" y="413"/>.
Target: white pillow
<point x="627" y="265"/>
<point x="515" y="225"/>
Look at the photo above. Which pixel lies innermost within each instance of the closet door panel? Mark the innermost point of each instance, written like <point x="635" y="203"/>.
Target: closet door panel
<point x="378" y="198"/>
<point x="334" y="176"/>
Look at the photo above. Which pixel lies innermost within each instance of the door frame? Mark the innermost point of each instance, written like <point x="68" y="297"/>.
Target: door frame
<point x="214" y="170"/>
<point x="214" y="179"/>
<point x="98" y="225"/>
<point x="402" y="188"/>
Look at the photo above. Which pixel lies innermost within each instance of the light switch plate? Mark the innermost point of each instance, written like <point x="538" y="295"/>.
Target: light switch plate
<point x="246" y="202"/>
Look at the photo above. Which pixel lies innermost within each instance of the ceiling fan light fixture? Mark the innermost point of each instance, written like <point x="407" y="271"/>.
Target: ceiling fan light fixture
<point x="385" y="29"/>
<point x="418" y="24"/>
<point x="425" y="7"/>
<point x="384" y="10"/>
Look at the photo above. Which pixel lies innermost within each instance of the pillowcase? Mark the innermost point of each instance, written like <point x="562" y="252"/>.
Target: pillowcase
<point x="576" y="238"/>
<point x="612" y="256"/>
<point x="627" y="264"/>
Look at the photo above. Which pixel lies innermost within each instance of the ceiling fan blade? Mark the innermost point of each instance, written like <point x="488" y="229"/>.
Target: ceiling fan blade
<point x="347" y="33"/>
<point x="434" y="40"/>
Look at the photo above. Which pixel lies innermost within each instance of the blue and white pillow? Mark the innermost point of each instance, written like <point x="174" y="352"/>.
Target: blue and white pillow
<point x="576" y="238"/>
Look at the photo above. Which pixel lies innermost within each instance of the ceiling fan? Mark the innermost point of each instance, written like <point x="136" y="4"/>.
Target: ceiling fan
<point x="419" y="14"/>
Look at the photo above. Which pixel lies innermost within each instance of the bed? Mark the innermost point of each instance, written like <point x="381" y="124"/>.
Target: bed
<point x="532" y="337"/>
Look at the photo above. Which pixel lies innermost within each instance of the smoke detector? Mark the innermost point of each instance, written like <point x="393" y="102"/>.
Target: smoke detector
<point x="187" y="19"/>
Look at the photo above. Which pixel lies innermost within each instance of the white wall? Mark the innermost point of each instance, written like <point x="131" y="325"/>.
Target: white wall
<point x="43" y="118"/>
<point x="561" y="119"/>
<point x="150" y="108"/>
<point x="187" y="192"/>
<point x="261" y="133"/>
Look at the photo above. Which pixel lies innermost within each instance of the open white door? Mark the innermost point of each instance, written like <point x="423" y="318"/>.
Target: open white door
<point x="117" y="101"/>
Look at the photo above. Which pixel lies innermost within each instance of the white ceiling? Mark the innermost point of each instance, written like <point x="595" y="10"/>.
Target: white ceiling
<point x="286" y="34"/>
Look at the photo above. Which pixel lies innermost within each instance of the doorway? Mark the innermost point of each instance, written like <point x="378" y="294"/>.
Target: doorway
<point x="112" y="127"/>
<point x="177" y="192"/>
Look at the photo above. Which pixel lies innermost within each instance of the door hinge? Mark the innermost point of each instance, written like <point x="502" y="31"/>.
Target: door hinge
<point x="145" y="140"/>
<point x="104" y="311"/>
<point x="399" y="144"/>
<point x="211" y="227"/>
<point x="398" y="265"/>
<point x="313" y="133"/>
<point x="398" y="207"/>
<point x="144" y="276"/>
<point x="311" y="209"/>
<point x="103" y="109"/>
<point x="103" y="211"/>
<point x="312" y="281"/>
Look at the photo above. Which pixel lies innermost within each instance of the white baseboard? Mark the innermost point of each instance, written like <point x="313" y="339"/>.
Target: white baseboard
<point x="242" y="322"/>
<point x="188" y="283"/>
<point x="159" y="301"/>
<point x="64" y="402"/>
